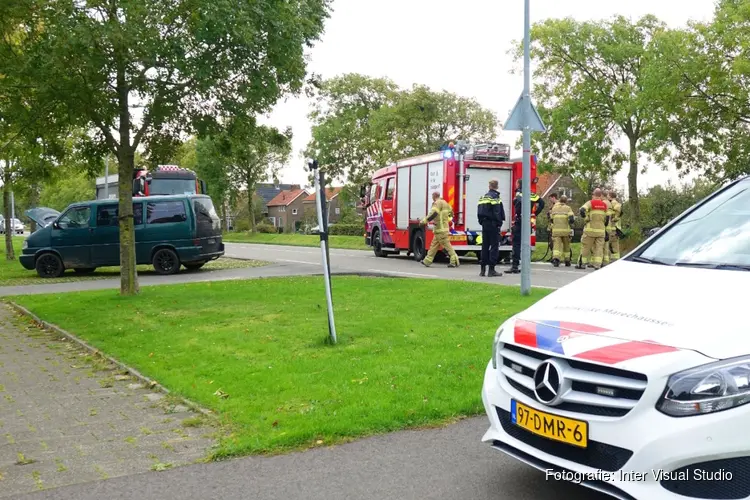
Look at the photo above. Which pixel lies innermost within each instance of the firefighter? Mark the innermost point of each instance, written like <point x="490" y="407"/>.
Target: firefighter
<point x="491" y="215"/>
<point x="550" y="241"/>
<point x="595" y="215"/>
<point x="561" y="221"/>
<point x="537" y="205"/>
<point x="614" y="230"/>
<point x="440" y="215"/>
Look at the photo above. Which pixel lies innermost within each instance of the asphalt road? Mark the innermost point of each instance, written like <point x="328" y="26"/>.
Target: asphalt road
<point x="445" y="464"/>
<point x="542" y="274"/>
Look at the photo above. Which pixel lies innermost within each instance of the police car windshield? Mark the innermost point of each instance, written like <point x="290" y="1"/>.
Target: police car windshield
<point x="716" y="235"/>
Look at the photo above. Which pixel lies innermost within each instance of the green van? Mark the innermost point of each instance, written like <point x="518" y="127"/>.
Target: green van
<point x="169" y="231"/>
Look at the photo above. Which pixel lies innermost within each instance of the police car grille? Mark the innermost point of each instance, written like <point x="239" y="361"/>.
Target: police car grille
<point x="596" y="389"/>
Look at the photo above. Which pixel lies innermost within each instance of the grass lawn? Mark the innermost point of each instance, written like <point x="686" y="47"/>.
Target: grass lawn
<point x="255" y="351"/>
<point x="12" y="273"/>
<point x="298" y="240"/>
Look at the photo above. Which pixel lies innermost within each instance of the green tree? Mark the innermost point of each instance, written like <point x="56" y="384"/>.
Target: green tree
<point x="594" y="89"/>
<point x="181" y="64"/>
<point x="343" y="138"/>
<point x="255" y="153"/>
<point x="707" y="70"/>
<point x="361" y="124"/>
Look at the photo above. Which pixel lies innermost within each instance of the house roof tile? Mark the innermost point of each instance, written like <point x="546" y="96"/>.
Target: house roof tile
<point x="286" y="198"/>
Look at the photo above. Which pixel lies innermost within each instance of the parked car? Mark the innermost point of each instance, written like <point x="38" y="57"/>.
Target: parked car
<point x="16" y="227"/>
<point x="169" y="231"/>
<point x="635" y="379"/>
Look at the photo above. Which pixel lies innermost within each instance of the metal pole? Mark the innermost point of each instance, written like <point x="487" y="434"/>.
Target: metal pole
<point x="324" y="200"/>
<point x="106" y="178"/>
<point x="526" y="172"/>
<point x="326" y="268"/>
<point x="12" y="211"/>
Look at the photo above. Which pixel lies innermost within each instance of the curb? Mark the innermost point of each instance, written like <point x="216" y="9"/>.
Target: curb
<point x="149" y="383"/>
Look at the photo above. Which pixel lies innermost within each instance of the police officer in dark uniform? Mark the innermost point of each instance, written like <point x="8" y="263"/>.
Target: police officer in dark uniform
<point x="537" y="205"/>
<point x="491" y="215"/>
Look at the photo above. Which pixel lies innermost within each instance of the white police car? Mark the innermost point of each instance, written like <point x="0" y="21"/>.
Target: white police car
<point x="635" y="380"/>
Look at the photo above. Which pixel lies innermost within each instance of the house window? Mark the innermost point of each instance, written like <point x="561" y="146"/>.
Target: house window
<point x="338" y="211"/>
<point x="294" y="211"/>
<point x="273" y="221"/>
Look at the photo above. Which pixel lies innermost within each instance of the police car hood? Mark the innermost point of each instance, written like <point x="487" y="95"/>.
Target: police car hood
<point x="644" y="309"/>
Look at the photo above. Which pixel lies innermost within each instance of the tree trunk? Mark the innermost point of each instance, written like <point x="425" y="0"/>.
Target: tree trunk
<point x="126" y="165"/>
<point x="33" y="202"/>
<point x="634" y="205"/>
<point x="251" y="204"/>
<point x="7" y="188"/>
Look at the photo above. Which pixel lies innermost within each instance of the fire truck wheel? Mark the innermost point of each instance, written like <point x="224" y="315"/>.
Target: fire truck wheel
<point x="417" y="246"/>
<point x="377" y="245"/>
<point x="166" y="261"/>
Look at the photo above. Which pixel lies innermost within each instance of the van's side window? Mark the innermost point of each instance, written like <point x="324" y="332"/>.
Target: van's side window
<point x="163" y="212"/>
<point x="106" y="215"/>
<point x="75" y="217"/>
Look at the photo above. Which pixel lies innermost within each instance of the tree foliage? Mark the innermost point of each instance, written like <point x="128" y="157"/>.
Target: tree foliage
<point x="707" y="71"/>
<point x="362" y="123"/>
<point x="142" y="72"/>
<point x="596" y="88"/>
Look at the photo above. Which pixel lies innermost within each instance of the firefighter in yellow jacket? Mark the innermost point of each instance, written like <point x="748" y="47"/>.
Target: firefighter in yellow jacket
<point x="440" y="216"/>
<point x="562" y="218"/>
<point x="595" y="231"/>
<point x="614" y="230"/>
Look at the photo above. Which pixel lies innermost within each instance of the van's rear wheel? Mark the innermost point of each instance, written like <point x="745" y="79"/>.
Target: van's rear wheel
<point x="49" y="265"/>
<point x="418" y="247"/>
<point x="166" y="261"/>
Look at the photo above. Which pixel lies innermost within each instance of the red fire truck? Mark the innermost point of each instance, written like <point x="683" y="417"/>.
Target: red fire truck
<point x="165" y="180"/>
<point x="399" y="196"/>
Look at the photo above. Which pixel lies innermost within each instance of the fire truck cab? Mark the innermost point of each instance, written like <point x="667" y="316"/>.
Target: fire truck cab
<point x="167" y="180"/>
<point x="399" y="196"/>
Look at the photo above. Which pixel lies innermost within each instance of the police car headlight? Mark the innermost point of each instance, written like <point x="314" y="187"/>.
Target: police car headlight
<point x="707" y="389"/>
<point x="495" y="343"/>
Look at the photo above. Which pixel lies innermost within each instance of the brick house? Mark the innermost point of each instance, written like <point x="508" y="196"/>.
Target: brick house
<point x="562" y="185"/>
<point x="286" y="209"/>
<point x="268" y="191"/>
<point x="334" y="203"/>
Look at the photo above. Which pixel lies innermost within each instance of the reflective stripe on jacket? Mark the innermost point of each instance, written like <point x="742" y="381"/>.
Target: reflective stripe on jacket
<point x="490" y="208"/>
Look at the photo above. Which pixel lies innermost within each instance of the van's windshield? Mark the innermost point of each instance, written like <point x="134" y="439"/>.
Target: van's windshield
<point x="716" y="235"/>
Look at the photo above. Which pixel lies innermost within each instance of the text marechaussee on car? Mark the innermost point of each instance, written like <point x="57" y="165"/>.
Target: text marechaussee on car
<point x="635" y="380"/>
<point x="170" y="231"/>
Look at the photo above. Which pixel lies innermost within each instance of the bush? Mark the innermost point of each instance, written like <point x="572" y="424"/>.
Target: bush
<point x="266" y="228"/>
<point x="347" y="229"/>
<point x="241" y="225"/>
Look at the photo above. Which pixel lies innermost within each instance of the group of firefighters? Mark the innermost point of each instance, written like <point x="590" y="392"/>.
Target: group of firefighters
<point x="600" y="243"/>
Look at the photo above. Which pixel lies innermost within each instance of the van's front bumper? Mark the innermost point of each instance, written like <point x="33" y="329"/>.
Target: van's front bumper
<point x="712" y="449"/>
<point x="28" y="261"/>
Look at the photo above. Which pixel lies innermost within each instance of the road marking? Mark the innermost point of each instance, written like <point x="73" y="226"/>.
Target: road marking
<point x="402" y="272"/>
<point x="299" y="262"/>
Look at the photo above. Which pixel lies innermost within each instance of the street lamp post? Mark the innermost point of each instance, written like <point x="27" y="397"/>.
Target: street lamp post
<point x="525" y="118"/>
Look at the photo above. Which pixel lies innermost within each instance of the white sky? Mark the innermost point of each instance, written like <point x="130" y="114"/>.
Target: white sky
<point x="457" y="46"/>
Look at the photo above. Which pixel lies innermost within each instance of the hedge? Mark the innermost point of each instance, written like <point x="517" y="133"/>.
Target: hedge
<point x="346" y="229"/>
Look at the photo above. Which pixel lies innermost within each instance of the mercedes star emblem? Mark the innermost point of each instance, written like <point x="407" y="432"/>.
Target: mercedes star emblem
<point x="547" y="383"/>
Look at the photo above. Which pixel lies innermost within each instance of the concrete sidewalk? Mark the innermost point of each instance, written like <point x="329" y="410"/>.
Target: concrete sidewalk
<point x="68" y="418"/>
